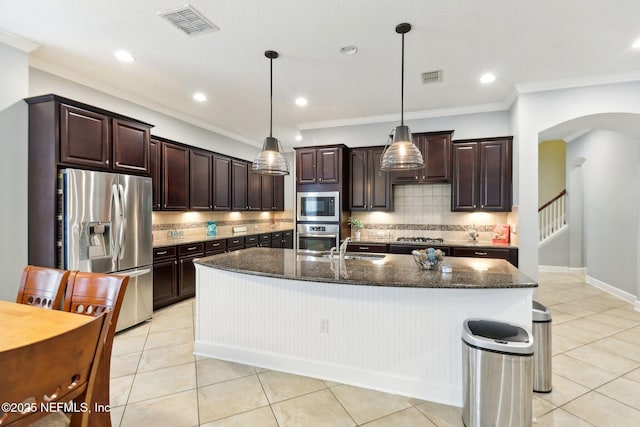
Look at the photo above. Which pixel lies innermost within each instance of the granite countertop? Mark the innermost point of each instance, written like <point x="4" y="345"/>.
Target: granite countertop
<point x="390" y="270"/>
<point x="157" y="242"/>
<point x="470" y="243"/>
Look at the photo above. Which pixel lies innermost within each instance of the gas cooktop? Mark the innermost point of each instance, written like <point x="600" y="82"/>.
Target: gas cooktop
<point x="421" y="239"/>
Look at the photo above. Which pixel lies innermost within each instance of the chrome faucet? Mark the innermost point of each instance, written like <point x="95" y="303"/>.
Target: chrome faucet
<point x="343" y="247"/>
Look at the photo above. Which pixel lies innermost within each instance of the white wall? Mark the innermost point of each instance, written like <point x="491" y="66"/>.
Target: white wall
<point x="610" y="174"/>
<point x="14" y="83"/>
<point x="465" y="126"/>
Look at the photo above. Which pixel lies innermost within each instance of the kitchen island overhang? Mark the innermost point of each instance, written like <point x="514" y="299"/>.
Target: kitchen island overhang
<point x="381" y="324"/>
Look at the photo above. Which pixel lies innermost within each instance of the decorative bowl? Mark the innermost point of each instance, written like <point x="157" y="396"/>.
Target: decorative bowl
<point x="427" y="259"/>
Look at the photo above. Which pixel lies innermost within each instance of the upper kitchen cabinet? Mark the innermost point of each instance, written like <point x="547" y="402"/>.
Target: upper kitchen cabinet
<point x="200" y="173"/>
<point x="436" y="152"/>
<point x="319" y="165"/>
<point x="221" y="183"/>
<point x="370" y="188"/>
<point x="272" y="193"/>
<point x="239" y="185"/>
<point x="175" y="177"/>
<point x="254" y="192"/>
<point x="88" y="137"/>
<point x="154" y="172"/>
<point x="482" y="178"/>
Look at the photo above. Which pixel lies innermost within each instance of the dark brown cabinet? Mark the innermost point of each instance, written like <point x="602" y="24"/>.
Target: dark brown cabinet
<point x="509" y="254"/>
<point x="370" y="188"/>
<point x="482" y="178"/>
<point x="221" y="183"/>
<point x="67" y="133"/>
<point x="254" y="192"/>
<point x="282" y="239"/>
<point x="436" y="152"/>
<point x="175" y="177"/>
<point x="154" y="172"/>
<point x="239" y="185"/>
<point x="200" y="174"/>
<point x="165" y="276"/>
<point x="368" y="247"/>
<point x="215" y="247"/>
<point x="186" y="269"/>
<point x="319" y="165"/>
<point x="130" y="147"/>
<point x="272" y="190"/>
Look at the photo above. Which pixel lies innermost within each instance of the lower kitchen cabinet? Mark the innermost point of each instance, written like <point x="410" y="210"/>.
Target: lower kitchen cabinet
<point x="367" y="247"/>
<point x="187" y="270"/>
<point x="407" y="249"/>
<point x="510" y="255"/>
<point x="165" y="276"/>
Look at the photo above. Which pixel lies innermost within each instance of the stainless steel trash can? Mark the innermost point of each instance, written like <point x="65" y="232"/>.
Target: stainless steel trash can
<point x="541" y="329"/>
<point x="497" y="374"/>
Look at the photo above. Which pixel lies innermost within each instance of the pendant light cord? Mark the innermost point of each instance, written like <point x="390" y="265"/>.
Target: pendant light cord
<point x="402" y="86"/>
<point x="270" y="97"/>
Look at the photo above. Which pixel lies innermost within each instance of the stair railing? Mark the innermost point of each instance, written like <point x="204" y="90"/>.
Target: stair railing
<point x="552" y="216"/>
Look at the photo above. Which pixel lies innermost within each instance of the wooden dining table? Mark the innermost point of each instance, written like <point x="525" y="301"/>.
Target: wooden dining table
<point x="38" y="332"/>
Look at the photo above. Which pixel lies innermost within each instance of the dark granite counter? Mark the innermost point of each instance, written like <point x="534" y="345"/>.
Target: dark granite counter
<point x="480" y="244"/>
<point x="365" y="269"/>
<point x="160" y="242"/>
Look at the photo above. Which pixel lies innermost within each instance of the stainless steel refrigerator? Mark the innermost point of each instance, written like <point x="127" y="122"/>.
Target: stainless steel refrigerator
<point x="107" y="229"/>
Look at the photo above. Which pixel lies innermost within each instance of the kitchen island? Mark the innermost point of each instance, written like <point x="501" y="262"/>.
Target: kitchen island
<point x="370" y="320"/>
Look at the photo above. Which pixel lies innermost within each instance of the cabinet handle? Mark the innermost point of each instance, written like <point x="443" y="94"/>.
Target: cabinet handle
<point x="192" y="248"/>
<point x="474" y="206"/>
<point x="482" y="206"/>
<point x="480" y="253"/>
<point x="364" y="248"/>
<point x="161" y="253"/>
<point x="106" y="162"/>
<point x="424" y="177"/>
<point x="235" y="241"/>
<point x="216" y="244"/>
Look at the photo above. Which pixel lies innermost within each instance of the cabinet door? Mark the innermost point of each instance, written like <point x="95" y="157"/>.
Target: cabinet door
<point x="278" y="193"/>
<point x="495" y="176"/>
<point x="239" y="184"/>
<point x="175" y="177"/>
<point x="464" y="188"/>
<point x="154" y="172"/>
<point x="187" y="277"/>
<point x="359" y="173"/>
<point x="306" y="165"/>
<point x="200" y="191"/>
<point x="221" y="183"/>
<point x="165" y="283"/>
<point x="254" y="198"/>
<point x="84" y="138"/>
<point x="436" y="151"/>
<point x="412" y="175"/>
<point x="130" y="147"/>
<point x="328" y="165"/>
<point x="267" y="193"/>
<point x="380" y="190"/>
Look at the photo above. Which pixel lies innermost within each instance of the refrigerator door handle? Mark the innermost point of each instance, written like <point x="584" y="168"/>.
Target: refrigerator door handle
<point x="115" y="229"/>
<point x="135" y="273"/>
<point x="123" y="221"/>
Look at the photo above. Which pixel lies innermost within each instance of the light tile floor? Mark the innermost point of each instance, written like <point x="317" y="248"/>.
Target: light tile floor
<point x="156" y="380"/>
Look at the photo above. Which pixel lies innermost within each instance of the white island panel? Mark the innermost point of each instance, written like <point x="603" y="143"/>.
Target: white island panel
<point x="394" y="339"/>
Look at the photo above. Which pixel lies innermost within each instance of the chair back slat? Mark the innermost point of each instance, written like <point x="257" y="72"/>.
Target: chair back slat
<point x="42" y="286"/>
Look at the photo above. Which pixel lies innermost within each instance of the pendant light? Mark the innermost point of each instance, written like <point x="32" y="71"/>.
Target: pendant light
<point x="402" y="154"/>
<point x="270" y="160"/>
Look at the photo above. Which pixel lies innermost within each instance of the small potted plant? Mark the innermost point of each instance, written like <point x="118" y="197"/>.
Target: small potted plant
<point x="356" y="226"/>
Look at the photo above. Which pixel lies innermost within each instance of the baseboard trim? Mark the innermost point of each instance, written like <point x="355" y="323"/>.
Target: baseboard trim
<point x="562" y="269"/>
<point x="616" y="292"/>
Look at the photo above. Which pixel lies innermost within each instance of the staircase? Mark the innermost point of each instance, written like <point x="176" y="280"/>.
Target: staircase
<point x="552" y="217"/>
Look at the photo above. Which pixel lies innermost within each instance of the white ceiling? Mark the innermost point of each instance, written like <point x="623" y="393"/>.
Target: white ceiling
<point x="529" y="45"/>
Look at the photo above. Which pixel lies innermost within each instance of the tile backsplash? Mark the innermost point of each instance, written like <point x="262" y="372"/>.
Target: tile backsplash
<point x="425" y="211"/>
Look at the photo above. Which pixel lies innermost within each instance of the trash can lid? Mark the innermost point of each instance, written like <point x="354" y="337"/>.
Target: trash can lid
<point x="540" y="313"/>
<point x="497" y="336"/>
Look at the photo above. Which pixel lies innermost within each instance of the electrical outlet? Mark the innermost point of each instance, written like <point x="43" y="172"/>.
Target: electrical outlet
<point x="324" y="325"/>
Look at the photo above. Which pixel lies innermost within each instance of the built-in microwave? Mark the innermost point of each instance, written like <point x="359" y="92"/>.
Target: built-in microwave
<point x="319" y="206"/>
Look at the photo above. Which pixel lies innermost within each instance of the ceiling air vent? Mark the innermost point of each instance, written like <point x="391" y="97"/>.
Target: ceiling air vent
<point x="432" y="77"/>
<point x="188" y="20"/>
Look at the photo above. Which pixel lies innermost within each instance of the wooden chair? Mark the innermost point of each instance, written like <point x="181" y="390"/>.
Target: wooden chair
<point x="57" y="372"/>
<point x="42" y="286"/>
<point x="93" y="294"/>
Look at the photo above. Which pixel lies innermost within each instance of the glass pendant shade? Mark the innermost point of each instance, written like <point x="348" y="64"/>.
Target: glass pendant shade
<point x="270" y="161"/>
<point x="402" y="154"/>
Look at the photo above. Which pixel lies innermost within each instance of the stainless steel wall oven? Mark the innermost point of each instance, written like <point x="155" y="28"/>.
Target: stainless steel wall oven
<point x="318" y="237"/>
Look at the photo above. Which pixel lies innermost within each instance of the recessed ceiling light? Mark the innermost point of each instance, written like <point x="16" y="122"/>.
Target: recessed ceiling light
<point x="349" y="50"/>
<point x="298" y="137"/>
<point x="199" y="96"/>
<point x="301" y="102"/>
<point x="487" y="78"/>
<point x="124" y="56"/>
<point x="636" y="44"/>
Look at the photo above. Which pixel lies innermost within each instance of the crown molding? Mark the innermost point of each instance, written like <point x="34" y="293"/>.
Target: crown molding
<point x="543" y="86"/>
<point x="17" y="41"/>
